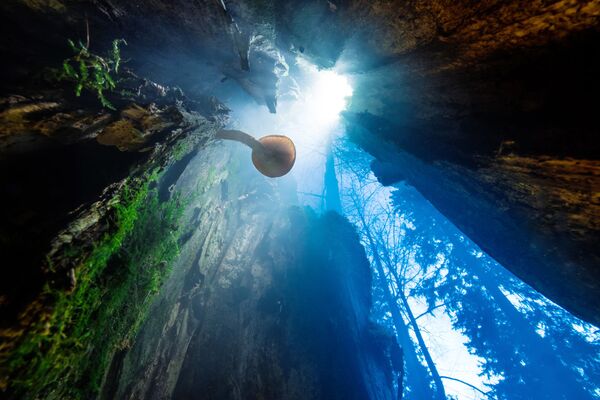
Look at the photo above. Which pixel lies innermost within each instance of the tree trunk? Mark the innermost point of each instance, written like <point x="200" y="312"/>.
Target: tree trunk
<point x="416" y="375"/>
<point x="440" y="392"/>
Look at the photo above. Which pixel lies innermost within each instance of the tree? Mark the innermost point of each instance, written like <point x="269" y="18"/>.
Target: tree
<point x="418" y="378"/>
<point x="530" y="366"/>
<point x="528" y="345"/>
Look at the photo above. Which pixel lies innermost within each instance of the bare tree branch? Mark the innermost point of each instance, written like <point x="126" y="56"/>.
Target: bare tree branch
<point x="468" y="384"/>
<point x="430" y="310"/>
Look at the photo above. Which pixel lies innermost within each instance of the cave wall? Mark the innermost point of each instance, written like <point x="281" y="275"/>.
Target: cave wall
<point x="210" y="48"/>
<point x="64" y="157"/>
<point x="262" y="303"/>
<point x="532" y="215"/>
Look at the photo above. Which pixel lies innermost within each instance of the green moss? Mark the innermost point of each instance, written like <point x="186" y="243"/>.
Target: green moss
<point x="181" y="149"/>
<point x="66" y="355"/>
<point x="92" y="72"/>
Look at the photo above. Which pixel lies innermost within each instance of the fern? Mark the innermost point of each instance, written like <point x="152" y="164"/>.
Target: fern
<point x="92" y="72"/>
<point x="116" y="52"/>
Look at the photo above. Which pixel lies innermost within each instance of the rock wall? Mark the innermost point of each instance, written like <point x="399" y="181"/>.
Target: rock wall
<point x="59" y="155"/>
<point x="207" y="47"/>
<point x="260" y="304"/>
<point x="537" y="217"/>
<point x="265" y="302"/>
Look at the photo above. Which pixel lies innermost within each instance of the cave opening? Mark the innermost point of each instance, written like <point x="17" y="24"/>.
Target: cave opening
<point x="310" y="104"/>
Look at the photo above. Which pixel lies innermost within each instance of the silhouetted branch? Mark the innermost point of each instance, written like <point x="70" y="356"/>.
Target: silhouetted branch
<point x="430" y="310"/>
<point x="468" y="384"/>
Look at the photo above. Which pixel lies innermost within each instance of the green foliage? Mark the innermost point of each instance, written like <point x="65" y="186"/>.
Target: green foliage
<point x="181" y="149"/>
<point x="92" y="72"/>
<point x="67" y="355"/>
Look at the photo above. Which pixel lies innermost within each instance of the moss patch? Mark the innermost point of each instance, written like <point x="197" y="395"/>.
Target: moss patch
<point x="66" y="355"/>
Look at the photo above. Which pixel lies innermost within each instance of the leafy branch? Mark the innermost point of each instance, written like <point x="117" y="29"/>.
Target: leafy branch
<point x="92" y="72"/>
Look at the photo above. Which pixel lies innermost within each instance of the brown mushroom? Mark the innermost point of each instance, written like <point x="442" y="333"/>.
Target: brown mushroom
<point x="272" y="155"/>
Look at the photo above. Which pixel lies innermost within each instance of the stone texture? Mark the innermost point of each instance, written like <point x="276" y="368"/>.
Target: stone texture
<point x="63" y="165"/>
<point x="261" y="304"/>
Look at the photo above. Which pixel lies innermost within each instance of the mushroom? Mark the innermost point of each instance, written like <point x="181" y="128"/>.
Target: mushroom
<point x="272" y="155"/>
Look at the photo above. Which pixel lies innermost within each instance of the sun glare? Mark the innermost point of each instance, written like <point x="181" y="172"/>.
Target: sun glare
<point x="310" y="117"/>
<point x="326" y="95"/>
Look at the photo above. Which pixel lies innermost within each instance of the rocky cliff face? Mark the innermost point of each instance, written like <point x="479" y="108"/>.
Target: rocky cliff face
<point x="261" y="304"/>
<point x="60" y="155"/>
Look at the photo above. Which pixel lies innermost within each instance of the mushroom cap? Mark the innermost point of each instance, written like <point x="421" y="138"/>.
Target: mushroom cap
<point x="276" y="157"/>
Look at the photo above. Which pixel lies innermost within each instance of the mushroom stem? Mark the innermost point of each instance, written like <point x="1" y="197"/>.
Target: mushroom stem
<point x="272" y="155"/>
<point x="241" y="137"/>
